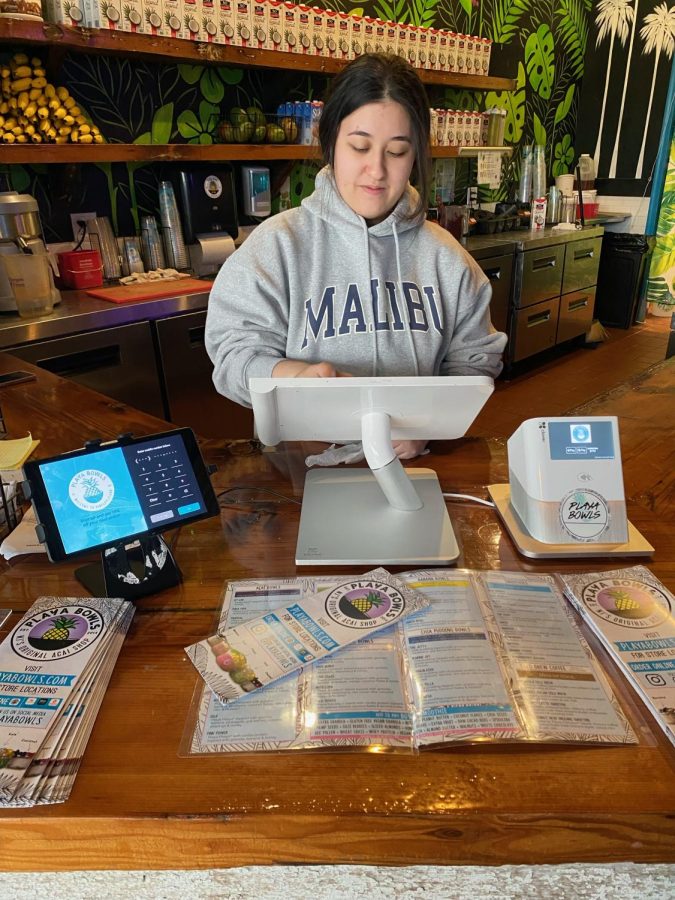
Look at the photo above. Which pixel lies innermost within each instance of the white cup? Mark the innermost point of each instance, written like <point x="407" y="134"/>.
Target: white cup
<point x="565" y="183"/>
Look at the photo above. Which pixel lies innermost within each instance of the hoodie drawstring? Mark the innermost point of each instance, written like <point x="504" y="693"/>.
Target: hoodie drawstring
<point x="411" y="341"/>
<point x="370" y="294"/>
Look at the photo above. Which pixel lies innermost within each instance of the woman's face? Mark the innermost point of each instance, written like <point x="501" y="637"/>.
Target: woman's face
<point x="373" y="158"/>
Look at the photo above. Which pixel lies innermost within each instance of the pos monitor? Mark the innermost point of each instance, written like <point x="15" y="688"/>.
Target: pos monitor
<point x="384" y="514"/>
<point x="107" y="496"/>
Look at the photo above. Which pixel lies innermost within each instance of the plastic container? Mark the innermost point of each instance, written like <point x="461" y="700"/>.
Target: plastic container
<point x="80" y="269"/>
<point x="539" y="172"/>
<point x="525" y="186"/>
<point x="586" y="167"/>
<point x="565" y="183"/>
<point x="30" y="278"/>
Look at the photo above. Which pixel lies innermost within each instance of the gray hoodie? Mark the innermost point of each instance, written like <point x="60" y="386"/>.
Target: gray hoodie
<point x="316" y="284"/>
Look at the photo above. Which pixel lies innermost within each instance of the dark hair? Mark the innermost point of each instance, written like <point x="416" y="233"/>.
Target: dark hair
<point x="370" y="79"/>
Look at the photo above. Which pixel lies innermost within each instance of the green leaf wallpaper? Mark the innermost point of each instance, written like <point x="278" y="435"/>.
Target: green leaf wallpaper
<point x="542" y="44"/>
<point x="661" y="283"/>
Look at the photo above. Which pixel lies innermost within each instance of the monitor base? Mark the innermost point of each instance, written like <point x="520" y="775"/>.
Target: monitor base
<point x="346" y="520"/>
<point x="131" y="571"/>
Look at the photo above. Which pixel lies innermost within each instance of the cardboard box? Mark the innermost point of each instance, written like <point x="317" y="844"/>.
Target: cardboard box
<point x="413" y="37"/>
<point x="433" y="48"/>
<point x="242" y="23"/>
<point x="275" y="23"/>
<point x="344" y="35"/>
<point x="111" y="15"/>
<point x="391" y="37"/>
<point x="402" y="40"/>
<point x="153" y="17"/>
<point x="260" y="25"/>
<point x="290" y="33"/>
<point x="304" y="15"/>
<point x="192" y="26"/>
<point x="442" y="54"/>
<point x="132" y="17"/>
<point x="331" y="44"/>
<point x="369" y="34"/>
<point x="173" y="18"/>
<point x="356" y="46"/>
<point x="319" y="17"/>
<point x="423" y="48"/>
<point x="209" y="21"/>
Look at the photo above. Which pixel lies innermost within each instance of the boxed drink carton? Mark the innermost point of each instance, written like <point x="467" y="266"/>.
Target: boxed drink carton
<point x="260" y="25"/>
<point x="173" y="18"/>
<point x="486" y="50"/>
<point x="391" y="37"/>
<point x="209" y="24"/>
<point x="319" y="17"/>
<point x="369" y="34"/>
<point x="132" y="17"/>
<point x="461" y="54"/>
<point x="423" y="48"/>
<point x="402" y="40"/>
<point x="304" y="16"/>
<point x="275" y="20"/>
<point x="153" y="18"/>
<point x="290" y="32"/>
<point x="470" y="54"/>
<point x="317" y="109"/>
<point x="413" y="38"/>
<point x="357" y="37"/>
<point x="380" y="36"/>
<point x="111" y="15"/>
<point x="451" y="128"/>
<point x="453" y="40"/>
<point x="433" y="48"/>
<point x="191" y="20"/>
<point x="331" y="44"/>
<point x="344" y="35"/>
<point x="442" y="55"/>
<point x="67" y="13"/>
<point x="441" y="127"/>
<point x="242" y="23"/>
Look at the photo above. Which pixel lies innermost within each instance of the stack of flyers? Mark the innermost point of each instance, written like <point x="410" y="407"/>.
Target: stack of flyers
<point x="55" y="666"/>
<point x="632" y="614"/>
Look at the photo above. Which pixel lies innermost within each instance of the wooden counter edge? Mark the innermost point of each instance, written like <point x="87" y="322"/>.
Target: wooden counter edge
<point x="268" y="839"/>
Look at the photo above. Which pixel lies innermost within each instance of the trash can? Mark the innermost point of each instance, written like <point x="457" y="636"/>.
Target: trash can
<point x="622" y="266"/>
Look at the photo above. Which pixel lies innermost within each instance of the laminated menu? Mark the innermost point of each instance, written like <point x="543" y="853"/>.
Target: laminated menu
<point x="632" y="614"/>
<point x="256" y="653"/>
<point x="494" y="656"/>
<point x="55" y="666"/>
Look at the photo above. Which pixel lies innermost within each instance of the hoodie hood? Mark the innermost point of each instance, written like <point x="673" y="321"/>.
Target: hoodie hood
<point x="326" y="203"/>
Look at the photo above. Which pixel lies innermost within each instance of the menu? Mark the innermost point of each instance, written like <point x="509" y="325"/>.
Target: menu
<point x="632" y="614"/>
<point x="494" y="656"/>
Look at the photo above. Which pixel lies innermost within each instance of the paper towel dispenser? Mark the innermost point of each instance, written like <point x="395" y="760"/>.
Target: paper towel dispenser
<point x="208" y="207"/>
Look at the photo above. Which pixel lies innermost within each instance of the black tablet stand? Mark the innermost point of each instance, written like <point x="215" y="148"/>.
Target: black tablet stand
<point x="131" y="570"/>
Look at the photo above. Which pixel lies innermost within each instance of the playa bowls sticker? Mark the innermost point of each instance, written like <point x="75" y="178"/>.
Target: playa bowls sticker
<point x="365" y="603"/>
<point x="626" y="602"/>
<point x="91" y="490"/>
<point x="57" y="633"/>
<point x="584" y="515"/>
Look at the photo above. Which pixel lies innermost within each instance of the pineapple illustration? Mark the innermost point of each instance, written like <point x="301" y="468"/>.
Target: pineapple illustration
<point x="366" y="603"/>
<point x="73" y="12"/>
<point x="625" y="605"/>
<point x="60" y="630"/>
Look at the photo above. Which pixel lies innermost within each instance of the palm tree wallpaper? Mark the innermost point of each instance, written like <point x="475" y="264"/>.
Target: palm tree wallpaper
<point x="582" y="69"/>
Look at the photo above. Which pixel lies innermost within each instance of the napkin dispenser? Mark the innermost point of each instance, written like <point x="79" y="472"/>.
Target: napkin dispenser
<point x="208" y="207"/>
<point x="566" y="480"/>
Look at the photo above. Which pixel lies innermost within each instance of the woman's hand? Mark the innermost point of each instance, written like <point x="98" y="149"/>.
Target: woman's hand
<point x="409" y="449"/>
<point x="293" y="368"/>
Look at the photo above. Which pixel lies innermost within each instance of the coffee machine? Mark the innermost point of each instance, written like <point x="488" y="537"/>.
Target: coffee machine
<point x="19" y="226"/>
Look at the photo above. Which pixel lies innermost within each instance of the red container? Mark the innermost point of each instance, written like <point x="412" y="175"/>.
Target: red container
<point x="590" y="210"/>
<point x="80" y="269"/>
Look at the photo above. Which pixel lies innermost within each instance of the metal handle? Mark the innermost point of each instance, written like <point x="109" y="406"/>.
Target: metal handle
<point x="539" y="319"/>
<point x="586" y="254"/>
<point x="196" y="335"/>
<point x="493" y="274"/>
<point x="578" y="304"/>
<point x="547" y="263"/>
<point x="70" y="364"/>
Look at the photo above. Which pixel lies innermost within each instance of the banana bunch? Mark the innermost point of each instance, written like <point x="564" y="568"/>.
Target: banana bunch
<point x="34" y="111"/>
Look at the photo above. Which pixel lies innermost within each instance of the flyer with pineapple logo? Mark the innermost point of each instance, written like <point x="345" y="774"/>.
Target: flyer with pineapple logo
<point x="256" y="653"/>
<point x="633" y="614"/>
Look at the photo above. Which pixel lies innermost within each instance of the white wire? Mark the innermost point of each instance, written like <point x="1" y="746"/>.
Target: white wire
<point x="471" y="497"/>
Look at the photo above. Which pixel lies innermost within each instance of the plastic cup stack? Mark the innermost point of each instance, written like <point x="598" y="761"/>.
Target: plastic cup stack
<point x="153" y="253"/>
<point x="174" y="245"/>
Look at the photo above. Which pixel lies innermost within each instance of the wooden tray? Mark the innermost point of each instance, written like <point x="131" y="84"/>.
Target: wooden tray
<point x="153" y="290"/>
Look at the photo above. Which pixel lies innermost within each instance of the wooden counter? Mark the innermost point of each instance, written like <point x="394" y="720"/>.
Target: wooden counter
<point x="137" y="804"/>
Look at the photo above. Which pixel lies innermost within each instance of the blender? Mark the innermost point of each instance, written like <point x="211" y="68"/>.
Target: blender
<point x="19" y="227"/>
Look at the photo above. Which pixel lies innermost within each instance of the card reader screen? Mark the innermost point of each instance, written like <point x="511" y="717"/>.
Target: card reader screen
<point x="581" y="440"/>
<point x="110" y="494"/>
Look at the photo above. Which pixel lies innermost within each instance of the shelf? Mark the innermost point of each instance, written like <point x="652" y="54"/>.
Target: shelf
<point x="32" y="154"/>
<point x="95" y="40"/>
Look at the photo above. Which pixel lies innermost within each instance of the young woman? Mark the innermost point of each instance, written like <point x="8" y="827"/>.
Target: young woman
<point x="355" y="281"/>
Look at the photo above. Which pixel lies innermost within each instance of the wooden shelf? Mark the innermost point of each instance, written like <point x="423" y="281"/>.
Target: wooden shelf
<point x="32" y="154"/>
<point x="94" y="40"/>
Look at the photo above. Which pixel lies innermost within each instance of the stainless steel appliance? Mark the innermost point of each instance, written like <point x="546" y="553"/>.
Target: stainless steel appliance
<point x="19" y="221"/>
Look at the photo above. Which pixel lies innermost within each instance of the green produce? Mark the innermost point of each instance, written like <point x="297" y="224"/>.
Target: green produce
<point x="243" y="132"/>
<point x="275" y="134"/>
<point x="256" y="115"/>
<point x="290" y="129"/>
<point x="238" y="115"/>
<point x="259" y="133"/>
<point x="226" y="133"/>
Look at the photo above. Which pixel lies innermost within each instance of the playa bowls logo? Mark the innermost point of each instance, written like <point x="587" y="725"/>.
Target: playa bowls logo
<point x="57" y="632"/>
<point x="584" y="515"/>
<point x="364" y="604"/>
<point x="91" y="490"/>
<point x="627" y="602"/>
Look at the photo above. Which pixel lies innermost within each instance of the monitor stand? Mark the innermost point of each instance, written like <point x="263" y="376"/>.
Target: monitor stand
<point x="133" y="570"/>
<point x="347" y="520"/>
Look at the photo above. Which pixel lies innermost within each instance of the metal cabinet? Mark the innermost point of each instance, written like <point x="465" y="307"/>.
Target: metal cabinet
<point x="541" y="274"/>
<point x="534" y="329"/>
<point x="582" y="259"/>
<point x="576" y="314"/>
<point x="499" y="269"/>
<point x="192" y="399"/>
<point x="119" y="362"/>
